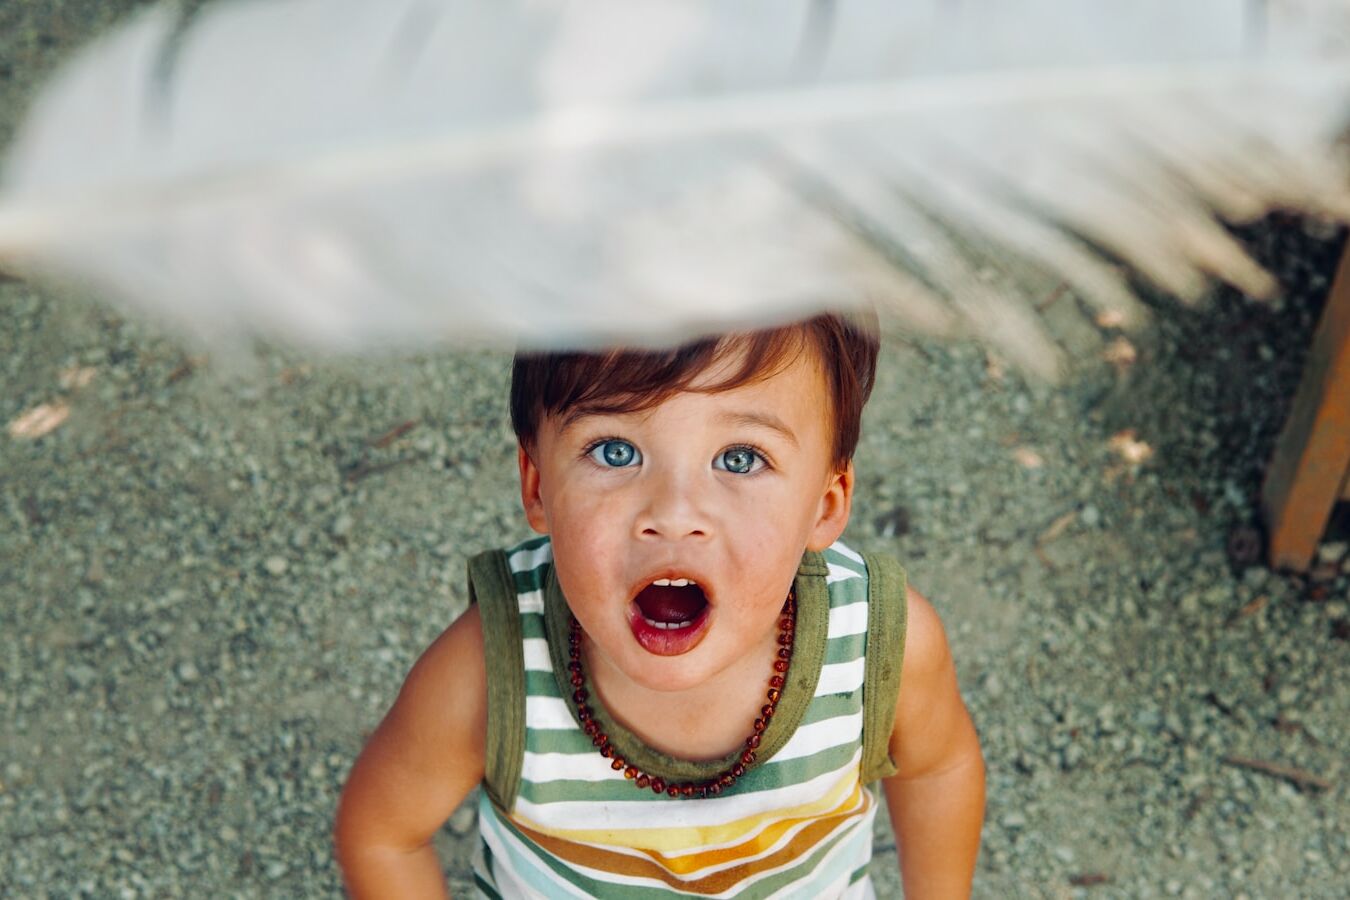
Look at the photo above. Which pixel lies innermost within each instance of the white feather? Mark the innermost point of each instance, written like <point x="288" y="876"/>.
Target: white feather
<point x="355" y="175"/>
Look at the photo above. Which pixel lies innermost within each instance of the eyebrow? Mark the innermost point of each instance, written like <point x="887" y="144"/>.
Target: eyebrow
<point x="752" y="419"/>
<point x="761" y="420"/>
<point x="577" y="414"/>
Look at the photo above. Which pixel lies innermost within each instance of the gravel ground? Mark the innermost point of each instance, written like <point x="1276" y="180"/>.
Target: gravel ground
<point x="213" y="578"/>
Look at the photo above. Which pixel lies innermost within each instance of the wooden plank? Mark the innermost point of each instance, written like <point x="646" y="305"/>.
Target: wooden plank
<point x="1312" y="455"/>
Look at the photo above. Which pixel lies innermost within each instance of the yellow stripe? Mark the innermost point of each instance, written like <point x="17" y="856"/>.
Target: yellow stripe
<point x="671" y="842"/>
<point x="678" y="876"/>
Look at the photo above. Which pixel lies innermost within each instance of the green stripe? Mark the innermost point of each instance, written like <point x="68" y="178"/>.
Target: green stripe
<point x="484" y="888"/>
<point x="542" y="684"/>
<point x="532" y="626"/>
<point x="769" y="776"/>
<point x="847" y="591"/>
<point x="530" y="579"/>
<point x="845" y="649"/>
<point x="557" y="740"/>
<point x="832" y="705"/>
<point x="858" y="874"/>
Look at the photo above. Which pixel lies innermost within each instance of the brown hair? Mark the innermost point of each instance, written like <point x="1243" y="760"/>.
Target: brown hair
<point x="629" y="380"/>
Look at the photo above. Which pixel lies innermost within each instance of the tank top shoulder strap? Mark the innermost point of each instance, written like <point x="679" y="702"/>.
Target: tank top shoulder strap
<point x="887" y="609"/>
<point x="492" y="587"/>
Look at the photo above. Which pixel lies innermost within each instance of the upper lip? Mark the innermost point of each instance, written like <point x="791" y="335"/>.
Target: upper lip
<point x="674" y="573"/>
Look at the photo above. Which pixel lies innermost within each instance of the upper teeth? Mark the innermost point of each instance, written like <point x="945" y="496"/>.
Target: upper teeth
<point x="673" y="582"/>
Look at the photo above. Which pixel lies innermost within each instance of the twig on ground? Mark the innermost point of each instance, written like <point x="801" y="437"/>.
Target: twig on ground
<point x="365" y="470"/>
<point x="395" y="433"/>
<point x="1298" y="777"/>
<point x="1056" y="529"/>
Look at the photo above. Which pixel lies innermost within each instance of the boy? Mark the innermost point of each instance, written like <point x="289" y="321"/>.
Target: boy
<point x="608" y="686"/>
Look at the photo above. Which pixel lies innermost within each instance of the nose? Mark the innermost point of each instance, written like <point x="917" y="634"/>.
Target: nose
<point x="671" y="509"/>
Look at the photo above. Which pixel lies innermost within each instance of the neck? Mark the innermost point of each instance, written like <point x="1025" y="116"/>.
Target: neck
<point x="704" y="722"/>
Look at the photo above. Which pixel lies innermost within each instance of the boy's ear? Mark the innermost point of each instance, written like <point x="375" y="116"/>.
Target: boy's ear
<point x="529" y="490"/>
<point x="835" y="505"/>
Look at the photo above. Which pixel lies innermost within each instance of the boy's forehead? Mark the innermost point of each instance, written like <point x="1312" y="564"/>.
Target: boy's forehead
<point x="716" y="384"/>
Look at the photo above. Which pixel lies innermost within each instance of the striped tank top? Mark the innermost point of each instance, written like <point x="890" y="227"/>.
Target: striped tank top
<point x="555" y="820"/>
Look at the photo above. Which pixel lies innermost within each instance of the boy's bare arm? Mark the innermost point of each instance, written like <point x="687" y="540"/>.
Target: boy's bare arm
<point x="419" y="764"/>
<point x="936" y="798"/>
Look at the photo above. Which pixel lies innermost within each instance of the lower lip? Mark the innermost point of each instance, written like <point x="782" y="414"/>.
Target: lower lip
<point x="667" y="641"/>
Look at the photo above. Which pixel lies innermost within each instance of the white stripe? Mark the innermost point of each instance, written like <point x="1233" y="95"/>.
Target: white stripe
<point x="819" y="736"/>
<point x="846" y="620"/>
<point x="836" y="574"/>
<point x="540" y="768"/>
<point x="843" y="550"/>
<point x="536" y="656"/>
<point x="841" y="678"/>
<point x="565" y="815"/>
<point x="530" y="602"/>
<point x="549" y="712"/>
<point x="529" y="560"/>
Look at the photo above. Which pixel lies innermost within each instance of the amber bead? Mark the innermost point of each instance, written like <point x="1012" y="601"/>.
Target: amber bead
<point x="659" y="785"/>
<point x="578" y="679"/>
<point x="617" y="763"/>
<point x="606" y="750"/>
<point x="780" y="665"/>
<point x="766" y="710"/>
<point x="643" y="780"/>
<point x="737" y="770"/>
<point x="687" y="790"/>
<point x="776" y="681"/>
<point x="714" y="788"/>
<point x="580" y="695"/>
<point x="673" y="790"/>
<point x="574" y="666"/>
<point x="774" y="694"/>
<point x="753" y="742"/>
<point x="726" y="780"/>
<point x="785" y="639"/>
<point x="760" y="725"/>
<point x="748" y="757"/>
<point x="630" y="773"/>
<point x="785" y="653"/>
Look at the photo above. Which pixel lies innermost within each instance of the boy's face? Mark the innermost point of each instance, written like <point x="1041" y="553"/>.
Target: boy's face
<point x="724" y="490"/>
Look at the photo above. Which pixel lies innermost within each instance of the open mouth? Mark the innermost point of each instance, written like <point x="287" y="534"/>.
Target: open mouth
<point x="669" y="616"/>
<point x="671" y="603"/>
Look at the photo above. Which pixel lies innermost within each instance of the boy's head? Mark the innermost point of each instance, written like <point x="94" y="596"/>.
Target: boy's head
<point x="634" y="380"/>
<point x="680" y="487"/>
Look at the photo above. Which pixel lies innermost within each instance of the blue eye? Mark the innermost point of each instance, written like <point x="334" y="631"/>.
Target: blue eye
<point x="615" y="454"/>
<point x="739" y="460"/>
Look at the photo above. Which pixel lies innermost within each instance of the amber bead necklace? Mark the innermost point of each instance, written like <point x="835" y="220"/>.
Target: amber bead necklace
<point x="787" y="629"/>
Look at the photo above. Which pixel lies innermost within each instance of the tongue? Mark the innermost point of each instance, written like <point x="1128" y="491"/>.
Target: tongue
<point x="671" y="604"/>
